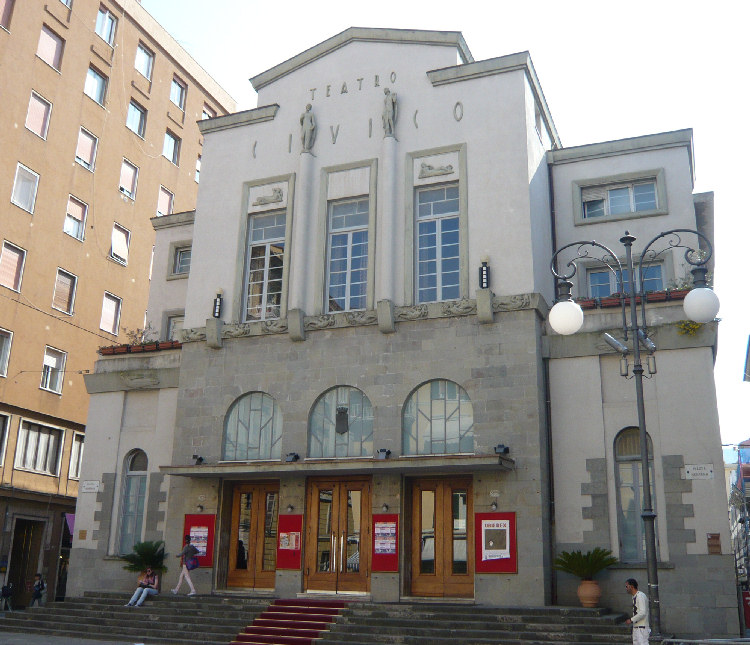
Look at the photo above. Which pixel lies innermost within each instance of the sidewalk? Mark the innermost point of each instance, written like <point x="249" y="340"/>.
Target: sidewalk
<point x="17" y="638"/>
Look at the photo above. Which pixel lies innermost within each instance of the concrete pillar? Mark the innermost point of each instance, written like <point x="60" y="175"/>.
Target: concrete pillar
<point x="385" y="261"/>
<point x="302" y="234"/>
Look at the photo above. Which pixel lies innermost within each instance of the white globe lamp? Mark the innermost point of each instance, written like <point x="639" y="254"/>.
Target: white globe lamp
<point x="701" y="305"/>
<point x="566" y="317"/>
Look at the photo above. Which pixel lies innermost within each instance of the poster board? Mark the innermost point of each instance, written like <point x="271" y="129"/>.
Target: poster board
<point x="200" y="528"/>
<point x="289" y="543"/>
<point x="385" y="542"/>
<point x="495" y="543"/>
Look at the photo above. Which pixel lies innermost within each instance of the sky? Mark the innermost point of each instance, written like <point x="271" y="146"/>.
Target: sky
<point x="608" y="69"/>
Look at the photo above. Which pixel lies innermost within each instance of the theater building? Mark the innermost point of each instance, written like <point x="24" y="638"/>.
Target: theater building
<point x="358" y="406"/>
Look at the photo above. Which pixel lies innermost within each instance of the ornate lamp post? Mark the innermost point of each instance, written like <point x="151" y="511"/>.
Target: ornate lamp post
<point x="700" y="305"/>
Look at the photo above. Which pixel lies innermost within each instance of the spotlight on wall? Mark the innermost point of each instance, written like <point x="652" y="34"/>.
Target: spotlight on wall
<point x="200" y="508"/>
<point x="484" y="273"/>
<point x="342" y="419"/>
<point x="493" y="506"/>
<point x="290" y="457"/>
<point x="289" y="508"/>
<point x="217" y="303"/>
<point x="383" y="453"/>
<point x="501" y="449"/>
<point x="198" y="460"/>
<point x="385" y="508"/>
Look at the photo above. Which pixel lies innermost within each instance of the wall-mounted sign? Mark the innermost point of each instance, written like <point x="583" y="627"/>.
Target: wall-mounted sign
<point x="699" y="471"/>
<point x="385" y="542"/>
<point x="89" y="486"/>
<point x="495" y="543"/>
<point x="289" y="544"/>
<point x="200" y="528"/>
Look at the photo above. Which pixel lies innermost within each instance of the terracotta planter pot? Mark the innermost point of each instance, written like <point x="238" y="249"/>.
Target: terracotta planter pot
<point x="121" y="349"/>
<point x="135" y="349"/>
<point x="107" y="351"/>
<point x="586" y="303"/>
<point x="610" y="301"/>
<point x="656" y="296"/>
<point x="589" y="593"/>
<point x="150" y="347"/>
<point x="678" y="294"/>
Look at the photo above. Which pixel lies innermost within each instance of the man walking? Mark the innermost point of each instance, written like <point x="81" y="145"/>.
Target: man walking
<point x="639" y="620"/>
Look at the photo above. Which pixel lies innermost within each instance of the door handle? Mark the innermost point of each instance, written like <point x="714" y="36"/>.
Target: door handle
<point x="341" y="553"/>
<point x="333" y="551"/>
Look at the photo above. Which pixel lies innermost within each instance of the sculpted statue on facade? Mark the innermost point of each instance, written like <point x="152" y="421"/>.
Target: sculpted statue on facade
<point x="307" y="121"/>
<point x="390" y="112"/>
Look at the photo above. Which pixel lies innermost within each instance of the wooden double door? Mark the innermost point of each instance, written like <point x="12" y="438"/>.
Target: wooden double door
<point x="252" y="542"/>
<point x="442" y="538"/>
<point x="337" y="538"/>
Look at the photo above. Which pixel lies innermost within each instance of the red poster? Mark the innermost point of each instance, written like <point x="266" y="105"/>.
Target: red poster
<point x="746" y="607"/>
<point x="200" y="528"/>
<point x="495" y="543"/>
<point x="385" y="542"/>
<point x="289" y="545"/>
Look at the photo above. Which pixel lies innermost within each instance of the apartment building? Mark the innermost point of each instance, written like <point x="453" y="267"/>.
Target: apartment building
<point x="101" y="107"/>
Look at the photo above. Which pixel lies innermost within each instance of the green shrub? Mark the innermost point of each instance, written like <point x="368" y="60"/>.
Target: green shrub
<point x="144" y="555"/>
<point x="585" y="565"/>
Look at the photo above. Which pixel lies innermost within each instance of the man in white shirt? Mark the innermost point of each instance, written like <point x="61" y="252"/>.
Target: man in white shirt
<point x="639" y="619"/>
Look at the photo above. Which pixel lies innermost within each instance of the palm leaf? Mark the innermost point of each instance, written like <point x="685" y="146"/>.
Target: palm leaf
<point x="585" y="565"/>
<point x="145" y="555"/>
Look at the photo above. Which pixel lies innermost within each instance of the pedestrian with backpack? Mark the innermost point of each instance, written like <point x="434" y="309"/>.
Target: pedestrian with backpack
<point x="36" y="591"/>
<point x="188" y="561"/>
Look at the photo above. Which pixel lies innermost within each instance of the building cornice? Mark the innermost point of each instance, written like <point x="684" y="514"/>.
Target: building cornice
<point x="500" y="65"/>
<point x="238" y="119"/>
<point x="175" y="219"/>
<point x="364" y="34"/>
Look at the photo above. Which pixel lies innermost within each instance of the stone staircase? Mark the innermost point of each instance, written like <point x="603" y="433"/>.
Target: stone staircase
<point x="225" y="620"/>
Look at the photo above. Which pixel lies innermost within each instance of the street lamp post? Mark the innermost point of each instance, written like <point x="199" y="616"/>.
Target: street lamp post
<point x="701" y="305"/>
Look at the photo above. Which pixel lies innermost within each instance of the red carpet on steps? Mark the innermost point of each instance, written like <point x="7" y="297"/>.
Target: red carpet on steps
<point x="287" y="622"/>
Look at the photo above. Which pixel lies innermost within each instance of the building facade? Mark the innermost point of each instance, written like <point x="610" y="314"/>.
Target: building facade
<point x="101" y="106"/>
<point x="368" y="400"/>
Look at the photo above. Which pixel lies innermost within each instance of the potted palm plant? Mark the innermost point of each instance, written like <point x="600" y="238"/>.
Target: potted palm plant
<point x="585" y="566"/>
<point x="145" y="555"/>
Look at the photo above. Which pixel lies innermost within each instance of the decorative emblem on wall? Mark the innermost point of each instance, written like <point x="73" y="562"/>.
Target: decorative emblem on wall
<point x="511" y="303"/>
<point x="193" y="335"/>
<point x="428" y="170"/>
<point x="274" y="326"/>
<point x="460" y="308"/>
<point x="276" y="196"/>
<point x="411" y="313"/>
<point x="320" y="322"/>
<point x="361" y="317"/>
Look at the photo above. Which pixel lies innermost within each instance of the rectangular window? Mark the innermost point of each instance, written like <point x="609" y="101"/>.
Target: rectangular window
<point x="95" y="86"/>
<point x="50" y="47"/>
<point x="106" y="24"/>
<point x="111" y="306"/>
<point x="65" y="291"/>
<point x="128" y="178"/>
<point x="24" y="188"/>
<point x="171" y="148"/>
<point x="174" y="326"/>
<point x="177" y="93"/>
<point x="603" y="283"/>
<point x="75" y="218"/>
<point x="6" y="339"/>
<point x="86" y="149"/>
<point x="120" y="244"/>
<point x="198" y="170"/>
<point x="6" y="11"/>
<point x="37" y="117"/>
<point x="208" y="112"/>
<point x="67" y="3"/>
<point x="347" y="254"/>
<point x="144" y="60"/>
<point x="181" y="262"/>
<point x="265" y="266"/>
<point x="12" y="260"/>
<point x="4" y="423"/>
<point x="437" y="244"/>
<point x="603" y="201"/>
<point x="165" y="204"/>
<point x="76" y="456"/>
<point x="136" y="120"/>
<point x="38" y="448"/>
<point x="53" y="370"/>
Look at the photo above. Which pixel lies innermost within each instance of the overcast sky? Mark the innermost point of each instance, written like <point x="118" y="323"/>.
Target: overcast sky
<point x="608" y="69"/>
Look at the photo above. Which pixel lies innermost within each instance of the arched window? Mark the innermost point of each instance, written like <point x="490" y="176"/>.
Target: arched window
<point x="438" y="419"/>
<point x="630" y="493"/>
<point x="133" y="502"/>
<point x="341" y="424"/>
<point x="252" y="429"/>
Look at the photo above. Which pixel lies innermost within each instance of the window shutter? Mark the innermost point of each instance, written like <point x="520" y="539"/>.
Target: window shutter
<point x="52" y="359"/>
<point x="11" y="264"/>
<point x="592" y="193"/>
<point x="50" y="47"/>
<point x="38" y="114"/>
<point x="165" y="201"/>
<point x="127" y="177"/>
<point x="110" y="306"/>
<point x="86" y="147"/>
<point x="76" y="209"/>
<point x="6" y="8"/>
<point x="120" y="242"/>
<point x="63" y="298"/>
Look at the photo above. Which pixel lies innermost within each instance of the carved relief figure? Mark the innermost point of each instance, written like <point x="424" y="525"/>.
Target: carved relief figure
<point x="277" y="195"/>
<point x="390" y="112"/>
<point x="428" y="170"/>
<point x="307" y="121"/>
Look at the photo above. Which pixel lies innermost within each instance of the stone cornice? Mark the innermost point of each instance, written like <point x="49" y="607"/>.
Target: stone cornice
<point x="175" y="219"/>
<point x="364" y="34"/>
<point x="247" y="117"/>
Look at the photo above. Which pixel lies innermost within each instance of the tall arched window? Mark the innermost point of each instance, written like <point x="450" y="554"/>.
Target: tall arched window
<point x="438" y="419"/>
<point x="341" y="424"/>
<point x="133" y="502"/>
<point x="252" y="429"/>
<point x="630" y="493"/>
